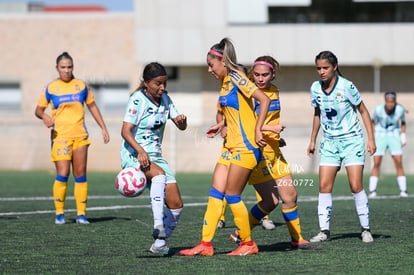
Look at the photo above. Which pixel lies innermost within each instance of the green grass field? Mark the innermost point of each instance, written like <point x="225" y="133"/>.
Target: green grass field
<point x="118" y="239"/>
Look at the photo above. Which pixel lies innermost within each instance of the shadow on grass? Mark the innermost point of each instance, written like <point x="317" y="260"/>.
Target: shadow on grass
<point x="357" y="236"/>
<point x="102" y="219"/>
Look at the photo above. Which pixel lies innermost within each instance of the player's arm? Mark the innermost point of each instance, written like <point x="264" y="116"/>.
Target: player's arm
<point x="366" y="118"/>
<point x="264" y="102"/>
<point x="273" y="128"/>
<point x="316" y="124"/>
<point x="181" y="122"/>
<point x="93" y="108"/>
<point x="403" y="135"/>
<point x="126" y="133"/>
<point x="220" y="118"/>
<point x="40" y="114"/>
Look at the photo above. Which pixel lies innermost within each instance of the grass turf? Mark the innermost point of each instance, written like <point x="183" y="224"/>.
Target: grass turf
<point x="117" y="240"/>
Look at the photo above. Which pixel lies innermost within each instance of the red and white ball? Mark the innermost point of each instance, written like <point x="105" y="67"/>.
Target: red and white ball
<point x="131" y="182"/>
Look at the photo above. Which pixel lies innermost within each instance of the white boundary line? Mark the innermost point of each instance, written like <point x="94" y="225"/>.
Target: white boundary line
<point x="189" y="204"/>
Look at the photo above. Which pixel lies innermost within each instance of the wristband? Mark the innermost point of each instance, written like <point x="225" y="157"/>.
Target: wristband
<point x="403" y="139"/>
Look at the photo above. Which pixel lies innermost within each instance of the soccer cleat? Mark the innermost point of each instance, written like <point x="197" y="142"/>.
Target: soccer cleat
<point x="403" y="194"/>
<point x="81" y="219"/>
<point x="202" y="249"/>
<point x="163" y="250"/>
<point x="366" y="236"/>
<point x="372" y="194"/>
<point x="245" y="248"/>
<point x="304" y="245"/>
<point x="268" y="224"/>
<point x="60" y="219"/>
<point x="235" y="237"/>
<point x="221" y="224"/>
<point x="159" y="232"/>
<point x="322" y="236"/>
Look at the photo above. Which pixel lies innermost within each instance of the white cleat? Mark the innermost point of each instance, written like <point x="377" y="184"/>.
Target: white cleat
<point x="403" y="194"/>
<point x="322" y="236"/>
<point x="372" y="194"/>
<point x="268" y="224"/>
<point x="366" y="236"/>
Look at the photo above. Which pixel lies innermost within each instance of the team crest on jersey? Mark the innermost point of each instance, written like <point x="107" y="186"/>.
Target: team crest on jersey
<point x="77" y="87"/>
<point x="340" y="97"/>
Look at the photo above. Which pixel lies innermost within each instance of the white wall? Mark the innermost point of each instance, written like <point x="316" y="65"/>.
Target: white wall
<point x="183" y="30"/>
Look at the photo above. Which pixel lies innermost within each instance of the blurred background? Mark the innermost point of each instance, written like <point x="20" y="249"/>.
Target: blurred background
<point x="111" y="41"/>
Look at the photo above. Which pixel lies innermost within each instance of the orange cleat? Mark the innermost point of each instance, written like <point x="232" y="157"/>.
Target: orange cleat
<point x="245" y="248"/>
<point x="202" y="249"/>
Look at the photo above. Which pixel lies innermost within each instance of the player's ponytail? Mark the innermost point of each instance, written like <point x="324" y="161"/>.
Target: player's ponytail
<point x="224" y="50"/>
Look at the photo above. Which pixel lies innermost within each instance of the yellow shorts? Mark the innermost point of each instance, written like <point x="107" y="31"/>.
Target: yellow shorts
<point x="272" y="166"/>
<point x="62" y="149"/>
<point x="225" y="157"/>
<point x="247" y="159"/>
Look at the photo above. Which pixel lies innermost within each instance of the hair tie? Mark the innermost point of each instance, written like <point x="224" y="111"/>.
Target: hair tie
<point x="215" y="53"/>
<point x="263" y="63"/>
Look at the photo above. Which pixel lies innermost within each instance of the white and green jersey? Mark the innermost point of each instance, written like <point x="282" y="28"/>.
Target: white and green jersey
<point x="149" y="120"/>
<point x="388" y="124"/>
<point x="338" y="109"/>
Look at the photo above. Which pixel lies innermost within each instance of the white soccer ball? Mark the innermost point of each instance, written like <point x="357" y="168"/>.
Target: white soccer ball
<point x="131" y="182"/>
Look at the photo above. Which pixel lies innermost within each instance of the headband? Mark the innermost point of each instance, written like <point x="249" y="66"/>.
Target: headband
<point x="263" y="63"/>
<point x="215" y="53"/>
<point x="390" y="95"/>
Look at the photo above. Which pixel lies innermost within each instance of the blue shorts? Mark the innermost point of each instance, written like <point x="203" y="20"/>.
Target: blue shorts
<point x="348" y="151"/>
<point x="128" y="160"/>
<point x="393" y="143"/>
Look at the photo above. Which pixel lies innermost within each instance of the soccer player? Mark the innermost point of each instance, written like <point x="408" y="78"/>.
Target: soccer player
<point x="390" y="129"/>
<point x="336" y="101"/>
<point x="148" y="109"/>
<point x="69" y="136"/>
<point x="244" y="139"/>
<point x="263" y="73"/>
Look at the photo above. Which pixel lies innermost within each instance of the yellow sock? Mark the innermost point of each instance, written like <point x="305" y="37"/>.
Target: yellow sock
<point x="81" y="196"/>
<point x="59" y="195"/>
<point x="256" y="214"/>
<point x="259" y="199"/>
<point x="211" y="218"/>
<point x="241" y="217"/>
<point x="223" y="213"/>
<point x="291" y="217"/>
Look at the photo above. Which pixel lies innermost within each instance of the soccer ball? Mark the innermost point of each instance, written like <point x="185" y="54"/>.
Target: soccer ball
<point x="131" y="182"/>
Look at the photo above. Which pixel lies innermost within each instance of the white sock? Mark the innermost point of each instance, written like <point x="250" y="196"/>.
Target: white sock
<point x="171" y="220"/>
<point x="159" y="243"/>
<point x="361" y="203"/>
<point x="373" y="182"/>
<point x="402" y="183"/>
<point x="324" y="210"/>
<point x="157" y="194"/>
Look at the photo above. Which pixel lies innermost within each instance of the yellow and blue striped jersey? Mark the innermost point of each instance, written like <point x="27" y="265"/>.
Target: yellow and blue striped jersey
<point x="272" y="117"/>
<point x="67" y="101"/>
<point x="237" y="106"/>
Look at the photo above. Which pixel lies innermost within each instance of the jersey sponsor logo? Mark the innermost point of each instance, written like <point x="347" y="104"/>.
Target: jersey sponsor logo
<point x="358" y="154"/>
<point x="330" y="113"/>
<point x="76" y="97"/>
